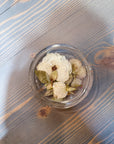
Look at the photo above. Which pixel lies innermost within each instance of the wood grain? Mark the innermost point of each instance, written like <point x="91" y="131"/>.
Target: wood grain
<point x="6" y="116"/>
<point x="87" y="114"/>
<point x="28" y="26"/>
<point x="31" y="20"/>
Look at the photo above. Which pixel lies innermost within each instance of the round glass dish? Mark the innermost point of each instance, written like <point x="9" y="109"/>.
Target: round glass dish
<point x="73" y="99"/>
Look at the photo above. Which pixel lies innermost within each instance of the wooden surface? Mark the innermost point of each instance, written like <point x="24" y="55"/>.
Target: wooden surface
<point x="26" y="27"/>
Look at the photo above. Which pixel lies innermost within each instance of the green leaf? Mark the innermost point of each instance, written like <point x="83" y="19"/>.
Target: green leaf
<point x="49" y="86"/>
<point x="42" y="76"/>
<point x="73" y="69"/>
<point x="49" y="92"/>
<point x="69" y="93"/>
<point x="70" y="89"/>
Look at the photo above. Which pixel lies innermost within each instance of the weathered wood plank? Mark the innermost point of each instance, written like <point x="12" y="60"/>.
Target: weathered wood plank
<point x="26" y="27"/>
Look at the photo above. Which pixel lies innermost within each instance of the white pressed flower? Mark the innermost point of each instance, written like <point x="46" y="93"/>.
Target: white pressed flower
<point x="63" y="74"/>
<point x="59" y="90"/>
<point x="76" y="63"/>
<point x="64" y="67"/>
<point x="81" y="73"/>
<point x="44" y="67"/>
<point x="76" y="82"/>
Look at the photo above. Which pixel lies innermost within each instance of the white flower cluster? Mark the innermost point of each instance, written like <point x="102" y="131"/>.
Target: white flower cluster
<point x="64" y="69"/>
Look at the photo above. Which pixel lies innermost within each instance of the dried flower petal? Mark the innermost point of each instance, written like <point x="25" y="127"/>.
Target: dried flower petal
<point x="68" y="82"/>
<point x="54" y="75"/>
<point x="81" y="72"/>
<point x="76" y="83"/>
<point x="59" y="90"/>
<point x="76" y="64"/>
<point x="44" y="67"/>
